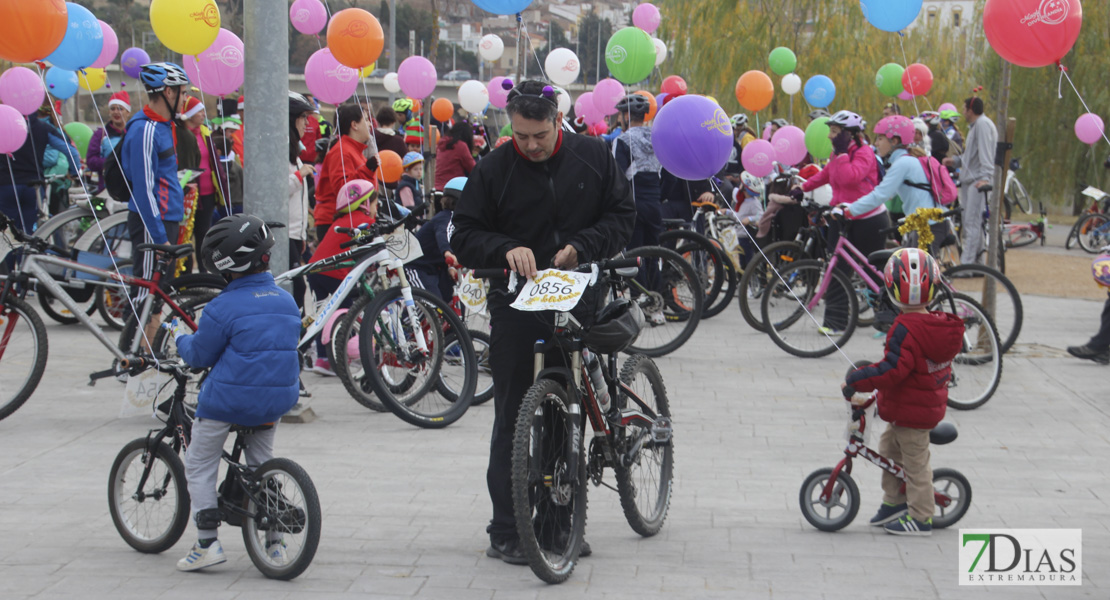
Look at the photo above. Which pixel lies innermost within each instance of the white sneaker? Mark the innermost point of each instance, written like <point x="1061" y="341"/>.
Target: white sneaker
<point x="275" y="551"/>
<point x="199" y="558"/>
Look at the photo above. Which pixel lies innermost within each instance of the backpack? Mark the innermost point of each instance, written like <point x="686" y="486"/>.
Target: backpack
<point x="115" y="181"/>
<point x="940" y="182"/>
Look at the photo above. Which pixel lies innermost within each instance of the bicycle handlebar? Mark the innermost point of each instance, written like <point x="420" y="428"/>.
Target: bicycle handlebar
<point x="611" y="265"/>
<point x="364" y="234"/>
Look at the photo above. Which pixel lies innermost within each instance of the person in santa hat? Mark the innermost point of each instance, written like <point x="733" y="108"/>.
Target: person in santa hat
<point x="105" y="138"/>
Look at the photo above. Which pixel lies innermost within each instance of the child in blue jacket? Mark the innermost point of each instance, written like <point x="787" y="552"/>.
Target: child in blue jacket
<point x="248" y="336"/>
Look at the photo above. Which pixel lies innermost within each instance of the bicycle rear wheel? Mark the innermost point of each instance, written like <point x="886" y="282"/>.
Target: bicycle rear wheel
<point x="152" y="518"/>
<point x="346" y="356"/>
<point x="1008" y="314"/>
<point x="977" y="369"/>
<point x="759" y="273"/>
<point x="111" y="301"/>
<point x="1093" y="232"/>
<point x="1015" y="191"/>
<point x="549" y="480"/>
<point x="645" y="482"/>
<point x="283" y="536"/>
<point x="831" y="321"/>
<point x="23" y="354"/>
<point x="449" y="380"/>
<point x="702" y="255"/>
<point x="673" y="308"/>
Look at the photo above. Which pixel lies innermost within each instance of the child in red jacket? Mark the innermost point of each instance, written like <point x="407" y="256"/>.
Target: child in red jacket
<point x="912" y="381"/>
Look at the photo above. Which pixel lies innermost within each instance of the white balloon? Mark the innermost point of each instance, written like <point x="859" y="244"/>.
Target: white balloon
<point x="660" y="51"/>
<point x="791" y="84"/>
<point x="563" y="100"/>
<point x="490" y="47"/>
<point x="391" y="84"/>
<point x="473" y="96"/>
<point x="562" y="66"/>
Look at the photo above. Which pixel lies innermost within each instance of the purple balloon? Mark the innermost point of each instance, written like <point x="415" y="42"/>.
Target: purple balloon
<point x="584" y="107"/>
<point x="759" y="158"/>
<point x="132" y="60"/>
<point x="22" y="89"/>
<point x="13" y="129"/>
<point x="790" y="145"/>
<point x="660" y="99"/>
<point x="308" y="16"/>
<point x="111" y="46"/>
<point x="607" y="93"/>
<point x="498" y="95"/>
<point x="329" y="80"/>
<point x="1088" y="128"/>
<point x="692" y="137"/>
<point x="417" y="76"/>
<point x="646" y="17"/>
<point x="219" y="69"/>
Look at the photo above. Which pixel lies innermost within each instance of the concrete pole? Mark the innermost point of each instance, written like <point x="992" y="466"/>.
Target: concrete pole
<point x="266" y="122"/>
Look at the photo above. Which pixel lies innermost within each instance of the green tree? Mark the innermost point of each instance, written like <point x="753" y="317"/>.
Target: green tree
<point x="593" y="33"/>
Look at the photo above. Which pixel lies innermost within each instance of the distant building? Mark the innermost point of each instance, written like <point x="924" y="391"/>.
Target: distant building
<point x="947" y="14"/>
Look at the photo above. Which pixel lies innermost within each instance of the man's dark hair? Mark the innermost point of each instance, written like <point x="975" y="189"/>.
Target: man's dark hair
<point x="386" y="116"/>
<point x="975" y="103"/>
<point x="460" y="132"/>
<point x="527" y="100"/>
<point x="347" y="115"/>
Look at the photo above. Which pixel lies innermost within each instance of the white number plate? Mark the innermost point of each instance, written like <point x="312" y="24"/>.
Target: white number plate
<point x="552" y="289"/>
<point x="473" y="293"/>
<point x="142" y="390"/>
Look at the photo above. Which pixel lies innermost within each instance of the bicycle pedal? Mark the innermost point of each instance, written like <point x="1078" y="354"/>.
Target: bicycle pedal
<point x="661" y="430"/>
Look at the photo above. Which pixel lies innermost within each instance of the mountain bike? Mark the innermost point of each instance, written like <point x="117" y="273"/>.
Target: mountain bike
<point x="704" y="252"/>
<point x="1024" y="234"/>
<point x="830" y="498"/>
<point x="1099" y="205"/>
<point x="633" y="435"/>
<point x="273" y="503"/>
<point x="669" y="292"/>
<point x="1015" y="192"/>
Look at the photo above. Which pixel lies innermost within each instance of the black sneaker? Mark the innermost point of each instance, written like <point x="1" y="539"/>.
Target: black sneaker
<point x="888" y="513"/>
<point x="1102" y="357"/>
<point x="508" y="551"/>
<point x="560" y="543"/>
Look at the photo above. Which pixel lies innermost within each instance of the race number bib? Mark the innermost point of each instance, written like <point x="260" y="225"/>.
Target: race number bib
<point x="472" y="292"/>
<point x="142" y="390"/>
<point x="732" y="239"/>
<point x="552" y="290"/>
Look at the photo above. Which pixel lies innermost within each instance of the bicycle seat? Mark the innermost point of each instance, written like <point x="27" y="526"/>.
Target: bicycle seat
<point x="243" y="429"/>
<point x="944" y="433"/>
<point x="174" y="250"/>
<point x="675" y="223"/>
<point x="878" y="258"/>
<point x="986" y="188"/>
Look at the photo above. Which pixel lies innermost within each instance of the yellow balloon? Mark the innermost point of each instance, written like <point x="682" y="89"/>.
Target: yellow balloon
<point x="714" y="100"/>
<point x="185" y="26"/>
<point x="366" y="71"/>
<point x="92" y="79"/>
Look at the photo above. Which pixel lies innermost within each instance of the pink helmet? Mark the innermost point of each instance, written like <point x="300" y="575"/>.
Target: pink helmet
<point x="352" y="195"/>
<point x="896" y="126"/>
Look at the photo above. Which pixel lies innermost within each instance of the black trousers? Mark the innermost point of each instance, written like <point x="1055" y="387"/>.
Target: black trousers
<point x="202" y="222"/>
<point x="144" y="261"/>
<point x="1101" y="340"/>
<point x="865" y="235"/>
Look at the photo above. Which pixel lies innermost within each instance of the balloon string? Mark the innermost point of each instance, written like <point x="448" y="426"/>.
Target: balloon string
<point x="1064" y="73"/>
<point x="913" y="90"/>
<point x="212" y="160"/>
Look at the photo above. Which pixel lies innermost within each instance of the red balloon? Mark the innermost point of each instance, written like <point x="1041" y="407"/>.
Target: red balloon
<point x="674" y="86"/>
<point x="917" y="80"/>
<point x="1032" y="33"/>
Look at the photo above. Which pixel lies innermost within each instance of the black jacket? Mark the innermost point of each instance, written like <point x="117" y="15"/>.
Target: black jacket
<point x="577" y="197"/>
<point x="26" y="163"/>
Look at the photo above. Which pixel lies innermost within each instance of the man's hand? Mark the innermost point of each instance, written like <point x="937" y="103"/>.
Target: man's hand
<point x="567" y="258"/>
<point x="981" y="183"/>
<point x="372" y="163"/>
<point x="948" y="162"/>
<point x="706" y="197"/>
<point x="450" y="259"/>
<point x="522" y="261"/>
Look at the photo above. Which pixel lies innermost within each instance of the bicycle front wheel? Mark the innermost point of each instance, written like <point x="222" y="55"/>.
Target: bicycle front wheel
<point x="283" y="531"/>
<point x="672" y="301"/>
<point x="23" y="354"/>
<point x="449" y="377"/>
<point x="1093" y="232"/>
<point x="1020" y="236"/>
<point x="150" y="518"/>
<point x="977" y="369"/>
<point x="1016" y="192"/>
<point x="829" y="323"/>
<point x="1009" y="312"/>
<point x="346" y="357"/>
<point x="549" y="480"/>
<point x="703" y="256"/>
<point x="645" y="465"/>
<point x="759" y="274"/>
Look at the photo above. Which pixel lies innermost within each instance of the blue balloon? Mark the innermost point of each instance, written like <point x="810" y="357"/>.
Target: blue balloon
<point x="82" y="43"/>
<point x="890" y="15"/>
<point x="503" y="7"/>
<point x="820" y="91"/>
<point x="61" y="83"/>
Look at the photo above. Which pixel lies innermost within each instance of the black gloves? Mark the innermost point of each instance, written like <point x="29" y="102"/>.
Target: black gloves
<point x="842" y="141"/>
<point x="372" y="163"/>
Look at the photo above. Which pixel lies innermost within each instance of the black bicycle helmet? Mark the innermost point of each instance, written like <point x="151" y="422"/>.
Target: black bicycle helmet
<point x="161" y="75"/>
<point x="635" y="104"/>
<point x="617" y="326"/>
<point x="237" y="244"/>
<point x="299" y="105"/>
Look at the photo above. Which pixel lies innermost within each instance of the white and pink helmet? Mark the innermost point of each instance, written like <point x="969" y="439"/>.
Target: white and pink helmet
<point x="354" y="194"/>
<point x="847" y="119"/>
<point x="896" y="126"/>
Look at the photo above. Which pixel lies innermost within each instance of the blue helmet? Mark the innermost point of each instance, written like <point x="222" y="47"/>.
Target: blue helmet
<point x="411" y="159"/>
<point x="161" y="75"/>
<point x="454" y="187"/>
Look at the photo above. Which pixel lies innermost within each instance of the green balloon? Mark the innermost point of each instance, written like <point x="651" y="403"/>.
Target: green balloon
<point x="630" y="55"/>
<point x="783" y="61"/>
<point x="817" y="139"/>
<point x="80" y="134"/>
<point x="889" y="79"/>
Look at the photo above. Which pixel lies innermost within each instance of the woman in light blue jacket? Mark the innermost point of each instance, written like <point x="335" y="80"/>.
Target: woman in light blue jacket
<point x="893" y="136"/>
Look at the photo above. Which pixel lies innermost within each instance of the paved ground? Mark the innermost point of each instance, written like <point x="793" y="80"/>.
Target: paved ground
<point x="405" y="509"/>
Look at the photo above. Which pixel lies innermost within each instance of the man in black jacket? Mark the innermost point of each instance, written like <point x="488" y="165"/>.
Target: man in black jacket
<point x="549" y="199"/>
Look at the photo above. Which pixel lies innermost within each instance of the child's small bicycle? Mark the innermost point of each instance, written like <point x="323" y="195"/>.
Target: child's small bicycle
<point x="830" y="498"/>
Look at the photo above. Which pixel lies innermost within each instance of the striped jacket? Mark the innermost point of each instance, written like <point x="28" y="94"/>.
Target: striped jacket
<point x="149" y="162"/>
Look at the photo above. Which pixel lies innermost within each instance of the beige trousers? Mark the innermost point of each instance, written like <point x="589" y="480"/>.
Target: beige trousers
<point x="909" y="449"/>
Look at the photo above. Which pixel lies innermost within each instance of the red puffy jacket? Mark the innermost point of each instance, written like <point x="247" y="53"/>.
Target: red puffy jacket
<point x="912" y="379"/>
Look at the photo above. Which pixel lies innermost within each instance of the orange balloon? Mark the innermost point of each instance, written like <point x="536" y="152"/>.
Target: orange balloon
<point x="390" y="165"/>
<point x="30" y="30"/>
<point x="651" y="101"/>
<point x="754" y="90"/>
<point x="442" y="109"/>
<point x="416" y="106"/>
<point x="355" y="38"/>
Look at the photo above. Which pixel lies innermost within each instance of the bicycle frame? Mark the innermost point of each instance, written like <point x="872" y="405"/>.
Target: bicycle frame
<point x="854" y="258"/>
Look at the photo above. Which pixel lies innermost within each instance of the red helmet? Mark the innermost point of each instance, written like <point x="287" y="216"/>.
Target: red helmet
<point x="911" y="277"/>
<point x="896" y="126"/>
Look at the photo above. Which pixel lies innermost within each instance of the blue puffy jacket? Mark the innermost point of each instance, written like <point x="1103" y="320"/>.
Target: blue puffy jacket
<point x="248" y="335"/>
<point x="149" y="162"/>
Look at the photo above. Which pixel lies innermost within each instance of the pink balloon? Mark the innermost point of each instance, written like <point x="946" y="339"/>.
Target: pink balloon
<point x="1089" y="128"/>
<point x="498" y="95"/>
<point x="111" y="46"/>
<point x="904" y="95"/>
<point x="13" y="129"/>
<point x="584" y="107"/>
<point x="417" y="76"/>
<point x="759" y="158"/>
<point x="329" y="80"/>
<point x="219" y="69"/>
<point x="607" y="93"/>
<point x="767" y="131"/>
<point x="308" y="16"/>
<point x="646" y="17"/>
<point x="21" y="89"/>
<point x="790" y="145"/>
